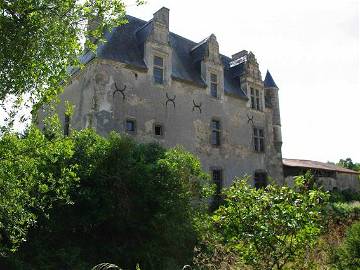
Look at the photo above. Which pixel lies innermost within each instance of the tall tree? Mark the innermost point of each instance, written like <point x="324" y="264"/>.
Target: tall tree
<point x="41" y="39"/>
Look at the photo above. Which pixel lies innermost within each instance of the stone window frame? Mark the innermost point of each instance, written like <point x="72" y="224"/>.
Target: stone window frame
<point x="257" y="146"/>
<point x="256" y="102"/>
<point x="162" y="130"/>
<point x="164" y="58"/>
<point x="218" y="130"/>
<point x="132" y="119"/>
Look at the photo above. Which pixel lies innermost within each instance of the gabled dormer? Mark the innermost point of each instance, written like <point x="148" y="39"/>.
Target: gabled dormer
<point x="206" y="57"/>
<point x="154" y="38"/>
<point x="246" y="68"/>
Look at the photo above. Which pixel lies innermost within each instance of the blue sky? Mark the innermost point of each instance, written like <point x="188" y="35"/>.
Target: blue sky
<point x="310" y="47"/>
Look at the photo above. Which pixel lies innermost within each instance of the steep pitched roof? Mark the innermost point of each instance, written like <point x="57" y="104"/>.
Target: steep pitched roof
<point x="310" y="164"/>
<point x="126" y="44"/>
<point x="269" y="81"/>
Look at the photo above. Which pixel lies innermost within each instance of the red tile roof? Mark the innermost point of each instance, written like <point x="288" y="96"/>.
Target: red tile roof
<point x="310" y="164"/>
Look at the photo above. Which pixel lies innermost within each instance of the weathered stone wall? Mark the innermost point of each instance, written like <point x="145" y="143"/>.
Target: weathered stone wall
<point x="341" y="182"/>
<point x="106" y="93"/>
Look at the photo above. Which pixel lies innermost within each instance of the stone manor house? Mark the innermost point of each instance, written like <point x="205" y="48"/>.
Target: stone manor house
<point x="155" y="85"/>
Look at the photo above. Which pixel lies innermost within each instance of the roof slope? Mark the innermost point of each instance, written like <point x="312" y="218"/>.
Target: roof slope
<point x="126" y="44"/>
<point x="269" y="81"/>
<point x="310" y="164"/>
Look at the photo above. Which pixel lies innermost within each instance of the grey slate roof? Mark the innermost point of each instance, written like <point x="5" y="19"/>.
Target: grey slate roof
<point x="269" y="81"/>
<point x="126" y="44"/>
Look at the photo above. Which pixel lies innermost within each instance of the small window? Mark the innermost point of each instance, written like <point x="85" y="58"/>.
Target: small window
<point x="259" y="138"/>
<point x="158" y="130"/>
<point x="213" y="85"/>
<point x="260" y="180"/>
<point x="130" y="126"/>
<point x="67" y="125"/>
<point x="255" y="96"/>
<point x="217" y="178"/>
<point x="215" y="132"/>
<point x="158" y="70"/>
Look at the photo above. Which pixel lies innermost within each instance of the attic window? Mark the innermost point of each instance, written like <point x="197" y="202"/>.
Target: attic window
<point x="158" y="70"/>
<point x="213" y="85"/>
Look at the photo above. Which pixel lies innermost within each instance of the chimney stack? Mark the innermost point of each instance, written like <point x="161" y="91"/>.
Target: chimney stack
<point x="162" y="16"/>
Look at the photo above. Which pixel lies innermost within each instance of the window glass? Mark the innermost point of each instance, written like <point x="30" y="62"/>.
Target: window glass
<point x="215" y="132"/>
<point x="158" y="130"/>
<point x="259" y="138"/>
<point x="217" y="177"/>
<point x="158" y="70"/>
<point x="213" y="85"/>
<point x="130" y="125"/>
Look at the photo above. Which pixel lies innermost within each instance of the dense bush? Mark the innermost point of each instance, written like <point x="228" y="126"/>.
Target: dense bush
<point x="346" y="195"/>
<point x="347" y="256"/>
<point x="134" y="203"/>
<point x="263" y="228"/>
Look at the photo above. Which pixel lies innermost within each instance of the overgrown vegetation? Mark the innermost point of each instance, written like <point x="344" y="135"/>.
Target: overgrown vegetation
<point x="76" y="201"/>
<point x="73" y="202"/>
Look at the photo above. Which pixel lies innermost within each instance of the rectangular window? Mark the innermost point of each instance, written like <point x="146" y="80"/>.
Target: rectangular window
<point x="158" y="70"/>
<point x="213" y="85"/>
<point x="130" y="126"/>
<point x="255" y="96"/>
<point x="67" y="125"/>
<point x="260" y="180"/>
<point x="258" y="135"/>
<point x="217" y="178"/>
<point x="158" y="130"/>
<point x="215" y="132"/>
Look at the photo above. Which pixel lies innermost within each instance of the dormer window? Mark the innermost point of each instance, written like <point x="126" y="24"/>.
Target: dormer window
<point x="158" y="70"/>
<point x="255" y="99"/>
<point x="213" y="85"/>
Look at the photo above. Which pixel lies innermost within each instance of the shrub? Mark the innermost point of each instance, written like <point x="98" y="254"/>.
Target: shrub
<point x="135" y="203"/>
<point x="347" y="256"/>
<point x="267" y="228"/>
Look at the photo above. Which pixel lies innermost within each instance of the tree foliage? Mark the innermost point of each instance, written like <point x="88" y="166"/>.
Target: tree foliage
<point x="134" y="203"/>
<point x="267" y="228"/>
<point x="40" y="40"/>
<point x="347" y="255"/>
<point x="35" y="173"/>
<point x="349" y="164"/>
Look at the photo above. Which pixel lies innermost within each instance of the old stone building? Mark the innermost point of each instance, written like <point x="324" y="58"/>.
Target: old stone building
<point x="158" y="86"/>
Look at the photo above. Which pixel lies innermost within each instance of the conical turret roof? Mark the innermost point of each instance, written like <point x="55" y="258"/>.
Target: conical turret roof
<point x="269" y="81"/>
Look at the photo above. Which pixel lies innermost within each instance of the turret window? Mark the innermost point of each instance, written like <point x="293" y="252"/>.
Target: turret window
<point x="158" y="70"/>
<point x="213" y="85"/>
<point x="255" y="95"/>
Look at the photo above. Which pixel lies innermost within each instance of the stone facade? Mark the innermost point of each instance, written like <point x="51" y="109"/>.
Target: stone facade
<point x="109" y="93"/>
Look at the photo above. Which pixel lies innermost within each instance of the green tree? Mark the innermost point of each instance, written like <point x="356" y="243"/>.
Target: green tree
<point x="40" y="40"/>
<point x="135" y="203"/>
<point x="349" y="164"/>
<point x="268" y="228"/>
<point x="35" y="174"/>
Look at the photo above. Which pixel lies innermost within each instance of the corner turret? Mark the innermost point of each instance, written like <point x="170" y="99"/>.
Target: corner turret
<point x="272" y="102"/>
